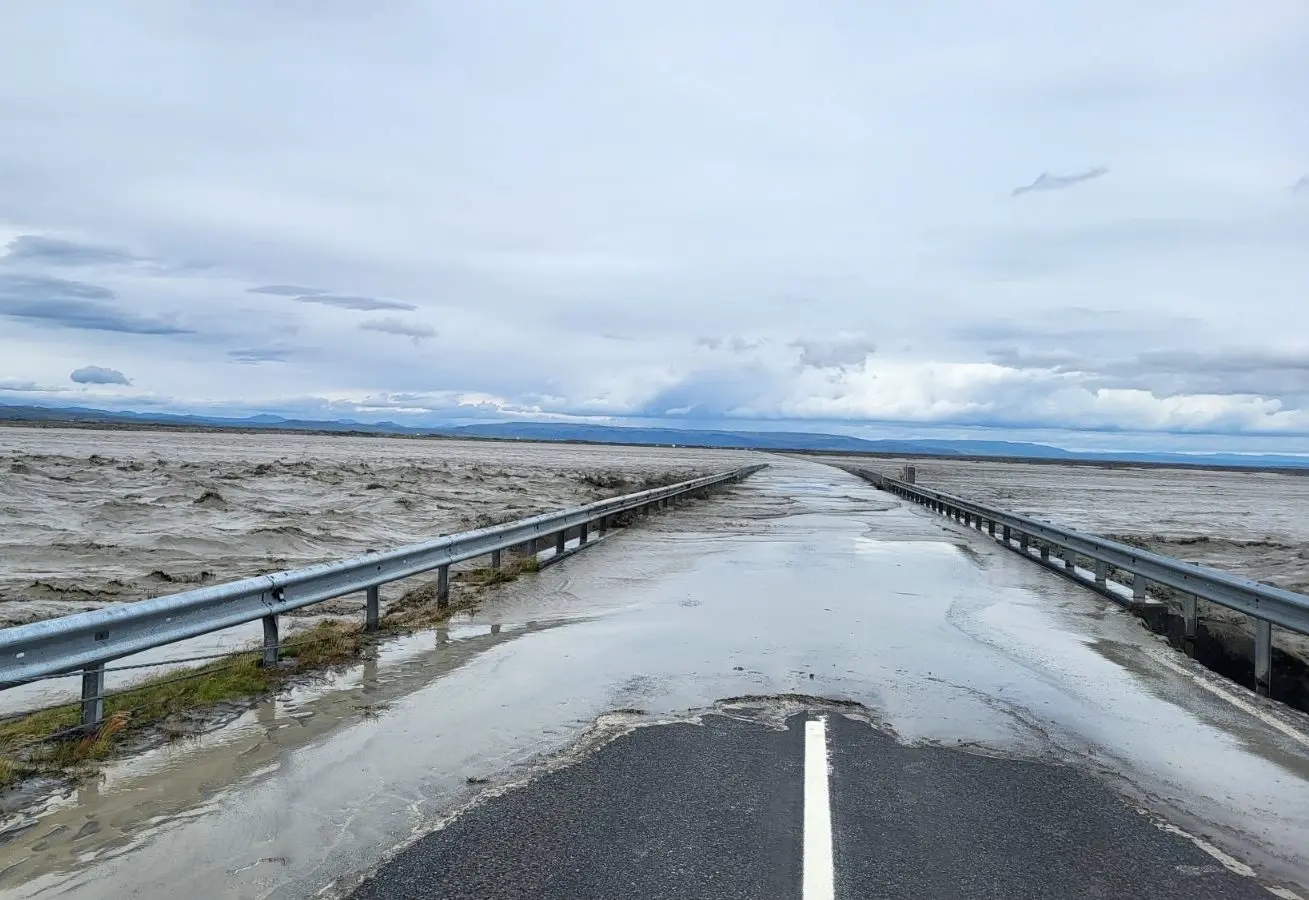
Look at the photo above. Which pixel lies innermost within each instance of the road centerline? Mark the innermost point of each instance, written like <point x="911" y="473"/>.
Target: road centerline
<point x="819" y="877"/>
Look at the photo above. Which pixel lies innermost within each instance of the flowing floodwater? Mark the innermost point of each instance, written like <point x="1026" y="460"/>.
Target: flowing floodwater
<point x="91" y="517"/>
<point x="803" y="580"/>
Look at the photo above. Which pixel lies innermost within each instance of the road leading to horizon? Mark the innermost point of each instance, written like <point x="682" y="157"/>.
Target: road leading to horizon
<point x="639" y="721"/>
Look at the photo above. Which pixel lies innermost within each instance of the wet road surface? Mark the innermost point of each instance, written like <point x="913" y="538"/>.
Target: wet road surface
<point x="717" y="809"/>
<point x="805" y="581"/>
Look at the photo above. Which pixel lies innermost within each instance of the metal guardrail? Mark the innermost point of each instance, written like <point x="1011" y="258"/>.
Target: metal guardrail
<point x="1034" y="539"/>
<point x="86" y="641"/>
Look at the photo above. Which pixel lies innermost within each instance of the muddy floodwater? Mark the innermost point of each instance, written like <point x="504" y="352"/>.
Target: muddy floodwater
<point x="89" y="517"/>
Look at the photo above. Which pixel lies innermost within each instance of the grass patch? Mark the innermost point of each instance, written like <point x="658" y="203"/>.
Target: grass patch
<point x="486" y="576"/>
<point x="35" y="745"/>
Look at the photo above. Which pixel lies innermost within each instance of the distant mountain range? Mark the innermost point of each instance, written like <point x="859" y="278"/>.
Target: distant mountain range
<point x="680" y="437"/>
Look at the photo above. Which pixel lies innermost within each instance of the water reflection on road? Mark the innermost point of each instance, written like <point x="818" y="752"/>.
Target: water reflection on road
<point x="803" y="580"/>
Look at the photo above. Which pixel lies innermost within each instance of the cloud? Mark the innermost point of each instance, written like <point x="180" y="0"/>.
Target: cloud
<point x="99" y="375"/>
<point x="255" y="355"/>
<point x="348" y="302"/>
<point x="60" y="303"/>
<point x="1301" y="186"/>
<point x="286" y="290"/>
<point x="37" y="249"/>
<point x="735" y="342"/>
<point x="14" y="287"/>
<point x="1047" y="182"/>
<point x="841" y="352"/>
<point x="326" y="298"/>
<point x="416" y="330"/>
<point x="1016" y="358"/>
<point x="13" y="384"/>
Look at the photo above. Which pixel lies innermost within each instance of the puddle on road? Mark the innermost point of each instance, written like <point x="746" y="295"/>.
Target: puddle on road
<point x="144" y="794"/>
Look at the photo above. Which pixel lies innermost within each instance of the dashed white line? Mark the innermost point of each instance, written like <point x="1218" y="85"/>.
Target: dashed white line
<point x="819" y="876"/>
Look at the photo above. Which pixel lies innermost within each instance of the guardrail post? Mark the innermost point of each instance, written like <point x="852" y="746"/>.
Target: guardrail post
<point x="1190" y="622"/>
<point x="1101" y="572"/>
<point x="495" y="559"/>
<point x="1070" y="559"/>
<point x="990" y="528"/>
<point x="270" y="641"/>
<point x="372" y="611"/>
<point x="1005" y="534"/>
<point x="1045" y="552"/>
<point x="561" y="542"/>
<point x="442" y="587"/>
<point x="1022" y="543"/>
<point x="532" y="546"/>
<point x="582" y="534"/>
<point x="1139" y="585"/>
<point x="93" y="694"/>
<point x="1263" y="656"/>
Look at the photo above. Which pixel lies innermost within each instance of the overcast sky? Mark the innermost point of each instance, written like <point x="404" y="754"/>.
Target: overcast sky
<point x="874" y="217"/>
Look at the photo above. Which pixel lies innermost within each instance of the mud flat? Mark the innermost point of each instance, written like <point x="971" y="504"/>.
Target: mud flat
<point x="1248" y="523"/>
<point x="91" y="517"/>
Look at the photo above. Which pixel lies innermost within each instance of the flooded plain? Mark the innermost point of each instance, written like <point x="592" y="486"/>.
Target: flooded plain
<point x="803" y="580"/>
<point x="89" y="517"/>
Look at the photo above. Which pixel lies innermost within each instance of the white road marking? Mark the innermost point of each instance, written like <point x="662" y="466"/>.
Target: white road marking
<point x="1232" y="698"/>
<point x="1231" y="863"/>
<point x="1284" y="893"/>
<point x="819" y="876"/>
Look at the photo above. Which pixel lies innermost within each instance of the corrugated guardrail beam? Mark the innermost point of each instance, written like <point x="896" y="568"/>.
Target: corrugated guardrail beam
<point x="87" y="641"/>
<point x="1265" y="604"/>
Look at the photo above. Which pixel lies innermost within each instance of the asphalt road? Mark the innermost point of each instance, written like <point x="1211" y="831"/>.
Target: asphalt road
<point x="716" y="809"/>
